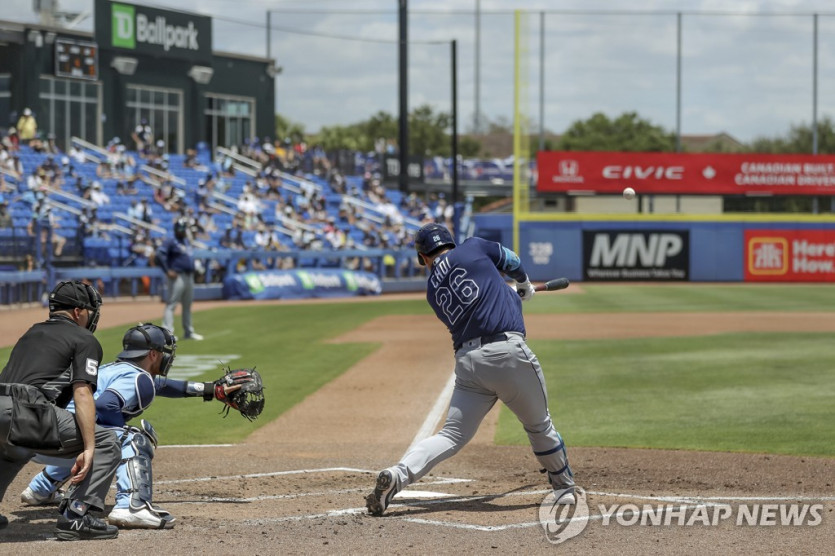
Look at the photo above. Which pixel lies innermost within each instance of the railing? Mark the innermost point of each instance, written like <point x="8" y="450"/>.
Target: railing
<point x="246" y="165"/>
<point x="163" y="176"/>
<point x="72" y="197"/>
<point x="90" y="147"/>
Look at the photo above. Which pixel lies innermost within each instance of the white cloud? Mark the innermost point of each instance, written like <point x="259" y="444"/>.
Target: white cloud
<point x="748" y="73"/>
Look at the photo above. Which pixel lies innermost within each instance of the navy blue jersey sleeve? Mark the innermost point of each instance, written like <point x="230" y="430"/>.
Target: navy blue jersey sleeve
<point x="172" y="388"/>
<point x="109" y="409"/>
<point x="506" y="260"/>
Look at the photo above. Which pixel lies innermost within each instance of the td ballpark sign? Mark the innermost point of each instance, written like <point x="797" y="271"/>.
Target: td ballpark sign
<point x="683" y="174"/>
<point x="164" y="33"/>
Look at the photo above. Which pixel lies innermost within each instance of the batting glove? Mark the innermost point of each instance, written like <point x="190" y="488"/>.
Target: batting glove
<point x="525" y="290"/>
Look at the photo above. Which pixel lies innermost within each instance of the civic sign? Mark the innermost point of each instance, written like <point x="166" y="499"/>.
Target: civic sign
<point x="691" y="174"/>
<point x="125" y="27"/>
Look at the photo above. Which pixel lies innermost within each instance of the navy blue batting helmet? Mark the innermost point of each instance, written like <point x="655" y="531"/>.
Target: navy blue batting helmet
<point x="141" y="339"/>
<point x="430" y="238"/>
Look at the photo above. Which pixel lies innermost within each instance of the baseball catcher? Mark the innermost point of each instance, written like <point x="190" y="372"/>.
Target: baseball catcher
<point x="125" y="389"/>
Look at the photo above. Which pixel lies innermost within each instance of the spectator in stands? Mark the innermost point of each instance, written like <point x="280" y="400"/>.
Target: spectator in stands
<point x="233" y="238"/>
<point x="143" y="137"/>
<point x="43" y="219"/>
<point x="142" y="246"/>
<point x="27" y="126"/>
<point x="17" y="165"/>
<point x="50" y="146"/>
<point x="98" y="196"/>
<point x="126" y="188"/>
<point x="66" y="169"/>
<point x="146" y="213"/>
<point x="103" y="170"/>
<point x="5" y="217"/>
<point x="190" y="161"/>
<point x="205" y="224"/>
<point x="12" y="140"/>
<point x="77" y="154"/>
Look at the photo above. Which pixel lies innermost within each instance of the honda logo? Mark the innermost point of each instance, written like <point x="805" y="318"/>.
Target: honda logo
<point x="569" y="167"/>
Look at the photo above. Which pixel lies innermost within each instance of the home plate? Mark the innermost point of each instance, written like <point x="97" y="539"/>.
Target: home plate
<point x="424" y="494"/>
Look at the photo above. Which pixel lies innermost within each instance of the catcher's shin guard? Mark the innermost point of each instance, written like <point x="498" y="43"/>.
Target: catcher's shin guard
<point x="140" y="474"/>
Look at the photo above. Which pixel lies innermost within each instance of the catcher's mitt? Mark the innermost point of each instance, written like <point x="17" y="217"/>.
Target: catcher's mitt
<point x="241" y="389"/>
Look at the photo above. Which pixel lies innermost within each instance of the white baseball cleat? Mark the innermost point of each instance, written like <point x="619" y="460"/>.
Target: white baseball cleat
<point x="143" y="518"/>
<point x="565" y="496"/>
<point x="387" y="486"/>
<point x="31" y="498"/>
<point x="195" y="336"/>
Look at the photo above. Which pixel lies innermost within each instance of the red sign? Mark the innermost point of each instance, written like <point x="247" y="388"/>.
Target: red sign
<point x="789" y="256"/>
<point x="692" y="174"/>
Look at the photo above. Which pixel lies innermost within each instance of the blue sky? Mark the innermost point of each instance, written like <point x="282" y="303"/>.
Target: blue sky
<point x="747" y="64"/>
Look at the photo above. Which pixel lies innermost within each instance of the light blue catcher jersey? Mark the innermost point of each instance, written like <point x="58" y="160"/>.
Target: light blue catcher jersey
<point x="131" y="384"/>
<point x="470" y="296"/>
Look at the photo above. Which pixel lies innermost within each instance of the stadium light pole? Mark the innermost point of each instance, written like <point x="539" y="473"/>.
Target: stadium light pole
<point x="454" y="64"/>
<point x="403" y="63"/>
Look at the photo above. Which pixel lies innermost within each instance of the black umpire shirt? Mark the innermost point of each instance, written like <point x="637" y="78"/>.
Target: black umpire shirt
<point x="52" y="355"/>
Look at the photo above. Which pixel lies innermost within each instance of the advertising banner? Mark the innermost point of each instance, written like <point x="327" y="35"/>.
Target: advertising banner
<point x="131" y="28"/>
<point x="686" y="174"/>
<point x="391" y="169"/>
<point x="636" y="255"/>
<point x="790" y="255"/>
<point x="300" y="284"/>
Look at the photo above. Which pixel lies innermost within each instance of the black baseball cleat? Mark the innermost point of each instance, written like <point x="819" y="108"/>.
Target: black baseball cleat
<point x="4" y="521"/>
<point x="387" y="486"/>
<point x="85" y="528"/>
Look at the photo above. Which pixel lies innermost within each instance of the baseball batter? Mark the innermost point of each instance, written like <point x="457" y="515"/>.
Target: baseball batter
<point x="492" y="361"/>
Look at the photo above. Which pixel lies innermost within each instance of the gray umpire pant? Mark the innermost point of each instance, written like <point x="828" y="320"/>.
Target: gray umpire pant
<point x="93" y="489"/>
<point x="507" y="371"/>
<point x="180" y="290"/>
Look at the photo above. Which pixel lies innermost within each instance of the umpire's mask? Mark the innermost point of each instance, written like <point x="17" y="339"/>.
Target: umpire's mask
<point x="76" y="294"/>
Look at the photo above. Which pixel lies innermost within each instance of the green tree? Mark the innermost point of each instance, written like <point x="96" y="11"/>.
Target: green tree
<point x="429" y="132"/>
<point x="285" y="128"/>
<point x="627" y="132"/>
<point x="799" y="140"/>
<point x="468" y="147"/>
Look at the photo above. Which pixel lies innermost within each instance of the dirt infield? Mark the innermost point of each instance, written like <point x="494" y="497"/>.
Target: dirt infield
<point x="297" y="484"/>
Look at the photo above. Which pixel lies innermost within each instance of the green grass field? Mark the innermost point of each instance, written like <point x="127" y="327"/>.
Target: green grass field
<point x="738" y="392"/>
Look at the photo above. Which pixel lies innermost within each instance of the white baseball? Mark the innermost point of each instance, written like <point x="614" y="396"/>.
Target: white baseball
<point x="628" y="193"/>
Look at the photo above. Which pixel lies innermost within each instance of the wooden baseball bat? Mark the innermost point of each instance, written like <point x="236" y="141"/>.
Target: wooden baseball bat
<point x="552" y="285"/>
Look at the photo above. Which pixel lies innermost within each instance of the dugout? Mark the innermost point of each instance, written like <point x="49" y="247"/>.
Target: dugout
<point x="139" y="62"/>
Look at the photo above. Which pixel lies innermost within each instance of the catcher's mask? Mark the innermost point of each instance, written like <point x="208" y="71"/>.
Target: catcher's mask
<point x="141" y="339"/>
<point x="71" y="294"/>
<point x="431" y="238"/>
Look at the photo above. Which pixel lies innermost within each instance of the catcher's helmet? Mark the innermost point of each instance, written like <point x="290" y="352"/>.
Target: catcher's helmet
<point x="430" y="238"/>
<point x="71" y="294"/>
<point x="143" y="338"/>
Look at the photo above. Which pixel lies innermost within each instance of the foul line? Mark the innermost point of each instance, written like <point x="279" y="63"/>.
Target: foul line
<point x="435" y="413"/>
<point x="257" y="475"/>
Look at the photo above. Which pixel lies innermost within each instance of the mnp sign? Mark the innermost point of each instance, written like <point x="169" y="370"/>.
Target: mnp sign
<point x="661" y="255"/>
